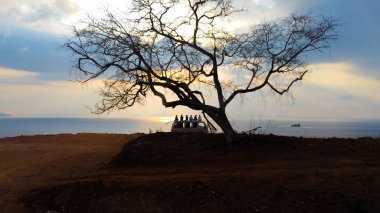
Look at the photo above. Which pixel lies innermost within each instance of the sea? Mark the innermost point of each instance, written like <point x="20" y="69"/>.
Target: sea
<point x="12" y="126"/>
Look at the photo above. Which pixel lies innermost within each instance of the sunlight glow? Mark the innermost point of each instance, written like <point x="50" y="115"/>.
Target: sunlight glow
<point x="163" y="119"/>
<point x="6" y="73"/>
<point x="343" y="77"/>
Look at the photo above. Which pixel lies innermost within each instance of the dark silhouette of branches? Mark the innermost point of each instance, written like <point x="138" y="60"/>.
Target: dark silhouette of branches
<point x="156" y="50"/>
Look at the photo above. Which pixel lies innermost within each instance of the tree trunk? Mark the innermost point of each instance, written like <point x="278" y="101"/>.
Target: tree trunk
<point x="221" y="119"/>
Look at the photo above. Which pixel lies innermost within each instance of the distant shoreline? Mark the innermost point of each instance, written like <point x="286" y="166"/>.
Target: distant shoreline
<point x="94" y="134"/>
<point x="16" y="126"/>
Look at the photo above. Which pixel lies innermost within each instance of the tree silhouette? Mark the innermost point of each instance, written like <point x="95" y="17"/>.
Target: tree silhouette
<point x="176" y="49"/>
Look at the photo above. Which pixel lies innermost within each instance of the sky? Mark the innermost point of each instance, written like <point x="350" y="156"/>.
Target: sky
<point x="37" y="80"/>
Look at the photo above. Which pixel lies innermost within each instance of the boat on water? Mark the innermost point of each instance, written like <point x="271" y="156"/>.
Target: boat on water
<point x="296" y="125"/>
<point x="186" y="126"/>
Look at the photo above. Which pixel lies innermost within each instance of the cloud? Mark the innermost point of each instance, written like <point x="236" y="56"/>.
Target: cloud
<point x="346" y="79"/>
<point x="24" y="49"/>
<point x="60" y="98"/>
<point x="255" y="12"/>
<point x="44" y="15"/>
<point x="5" y="32"/>
<point x="65" y="98"/>
<point x="36" y="11"/>
<point x="6" y="73"/>
<point x="330" y="91"/>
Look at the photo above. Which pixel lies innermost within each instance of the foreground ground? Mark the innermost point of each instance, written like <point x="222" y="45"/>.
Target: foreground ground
<point x="188" y="173"/>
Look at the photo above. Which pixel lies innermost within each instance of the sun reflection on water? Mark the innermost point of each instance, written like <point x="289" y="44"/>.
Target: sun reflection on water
<point x="162" y="119"/>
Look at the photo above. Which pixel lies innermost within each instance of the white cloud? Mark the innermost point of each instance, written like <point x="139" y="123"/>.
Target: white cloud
<point x="330" y="91"/>
<point x="42" y="15"/>
<point x="66" y="99"/>
<point x="5" y="31"/>
<point x="6" y="73"/>
<point x="344" y="78"/>
<point x="37" y="11"/>
<point x="24" y="49"/>
<point x="58" y="16"/>
<point x="257" y="11"/>
<point x="45" y="98"/>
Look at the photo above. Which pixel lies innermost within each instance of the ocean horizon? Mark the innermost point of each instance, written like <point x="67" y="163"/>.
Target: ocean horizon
<point x="17" y="126"/>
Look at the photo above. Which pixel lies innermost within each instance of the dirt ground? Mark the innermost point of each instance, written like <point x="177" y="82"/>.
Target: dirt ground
<point x="29" y="162"/>
<point x="188" y="173"/>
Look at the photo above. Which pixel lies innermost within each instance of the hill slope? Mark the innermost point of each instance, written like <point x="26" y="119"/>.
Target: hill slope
<point x="199" y="173"/>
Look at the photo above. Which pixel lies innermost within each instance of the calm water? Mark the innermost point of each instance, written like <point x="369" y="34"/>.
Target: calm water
<point x="32" y="126"/>
<point x="341" y="129"/>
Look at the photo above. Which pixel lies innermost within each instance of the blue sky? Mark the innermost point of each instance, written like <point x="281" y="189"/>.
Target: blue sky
<point x="36" y="77"/>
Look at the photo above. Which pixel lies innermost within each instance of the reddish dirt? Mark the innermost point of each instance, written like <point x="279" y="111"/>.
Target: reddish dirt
<point x="30" y="162"/>
<point x="188" y="173"/>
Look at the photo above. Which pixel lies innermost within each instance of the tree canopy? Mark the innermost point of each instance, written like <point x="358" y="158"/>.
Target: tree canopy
<point x="177" y="49"/>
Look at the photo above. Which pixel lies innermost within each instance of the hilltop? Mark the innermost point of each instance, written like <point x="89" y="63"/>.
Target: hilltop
<point x="166" y="172"/>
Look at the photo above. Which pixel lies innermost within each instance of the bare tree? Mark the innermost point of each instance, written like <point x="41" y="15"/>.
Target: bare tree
<point x="175" y="50"/>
